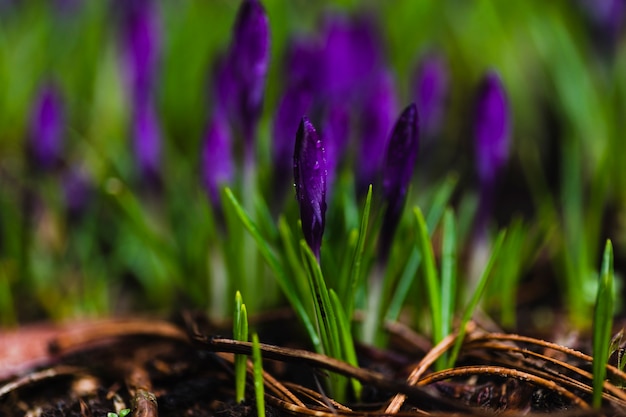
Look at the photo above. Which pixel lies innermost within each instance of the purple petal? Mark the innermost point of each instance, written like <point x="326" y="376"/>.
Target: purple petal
<point x="303" y="63"/>
<point x="336" y="132"/>
<point x="431" y="89"/>
<point x="250" y="56"/>
<point x="147" y="142"/>
<point x="77" y="190"/>
<point x="352" y="55"/>
<point x="217" y="161"/>
<point x="398" y="170"/>
<point x="141" y="46"/>
<point x="492" y="128"/>
<point x="46" y="127"/>
<point x="309" y="171"/>
<point x="375" y="122"/>
<point x="296" y="102"/>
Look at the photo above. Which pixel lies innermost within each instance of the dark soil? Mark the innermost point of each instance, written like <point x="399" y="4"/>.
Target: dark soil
<point x="182" y="368"/>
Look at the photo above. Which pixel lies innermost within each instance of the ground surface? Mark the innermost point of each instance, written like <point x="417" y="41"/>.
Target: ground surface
<point x="157" y="367"/>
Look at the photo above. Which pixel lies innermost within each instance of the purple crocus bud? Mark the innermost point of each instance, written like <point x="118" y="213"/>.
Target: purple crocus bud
<point x="249" y="60"/>
<point x="430" y="91"/>
<point x="296" y="102"/>
<point x="46" y="128"/>
<point x="309" y="172"/>
<point x="491" y="128"/>
<point x="336" y="132"/>
<point x="375" y="121"/>
<point x="77" y="190"/>
<point x="606" y="21"/>
<point x="303" y="63"/>
<point x="217" y="161"/>
<point x="398" y="171"/>
<point x="141" y="46"/>
<point x="147" y="143"/>
<point x="352" y="55"/>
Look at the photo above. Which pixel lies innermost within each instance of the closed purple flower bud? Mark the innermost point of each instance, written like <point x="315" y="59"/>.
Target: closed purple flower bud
<point x="141" y="45"/>
<point x="309" y="172"/>
<point x="249" y="57"/>
<point x="147" y="143"/>
<point x="606" y="22"/>
<point x="217" y="161"/>
<point x="398" y="171"/>
<point x="336" y="133"/>
<point x="491" y="129"/>
<point x="352" y="56"/>
<point x="77" y="190"/>
<point x="375" y="121"/>
<point x="296" y="102"/>
<point x="303" y="63"/>
<point x="46" y="128"/>
<point x="431" y="89"/>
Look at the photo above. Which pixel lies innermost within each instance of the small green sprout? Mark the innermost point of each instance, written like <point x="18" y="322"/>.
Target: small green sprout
<point x="240" y="332"/>
<point x="602" y="324"/>
<point x="122" y="413"/>
<point x="257" y="363"/>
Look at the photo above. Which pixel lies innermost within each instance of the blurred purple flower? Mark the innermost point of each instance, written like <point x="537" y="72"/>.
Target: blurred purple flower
<point x="141" y="45"/>
<point x="309" y="171"/>
<point x="147" y="143"/>
<point x="491" y="128"/>
<point x="217" y="161"/>
<point x="430" y="91"/>
<point x="352" y="55"/>
<point x="303" y="64"/>
<point x="249" y="60"/>
<point x="46" y="128"/>
<point x="77" y="190"/>
<point x="296" y="102"/>
<point x="606" y="21"/>
<point x="375" y="121"/>
<point x="336" y="133"/>
<point x="397" y="172"/>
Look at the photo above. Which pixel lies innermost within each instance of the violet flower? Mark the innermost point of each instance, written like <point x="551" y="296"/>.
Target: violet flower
<point x="336" y="133"/>
<point x="147" y="143"/>
<point x="249" y="60"/>
<point x="296" y="102"/>
<point x="304" y="64"/>
<point x="77" y="191"/>
<point x="606" y="21"/>
<point x="309" y="172"/>
<point x="217" y="162"/>
<point x="141" y="45"/>
<point x="352" y="55"/>
<point x="430" y="92"/>
<point x="45" y="141"/>
<point x="375" y="121"/>
<point x="491" y="128"/>
<point x="397" y="172"/>
<point x="492" y="133"/>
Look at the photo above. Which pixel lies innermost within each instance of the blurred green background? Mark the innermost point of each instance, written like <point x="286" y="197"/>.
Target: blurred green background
<point x="132" y="251"/>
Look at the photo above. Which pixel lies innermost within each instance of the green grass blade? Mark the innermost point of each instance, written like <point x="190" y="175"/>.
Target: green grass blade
<point x="283" y="279"/>
<point x="326" y="318"/>
<point x="240" y="332"/>
<point x="347" y="342"/>
<point x="476" y="295"/>
<point x="430" y="275"/>
<point x="357" y="260"/>
<point x="404" y="285"/>
<point x="448" y="275"/>
<point x="602" y="324"/>
<point x="323" y="309"/>
<point x="257" y="364"/>
<point x="440" y="201"/>
<point x="289" y="243"/>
